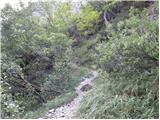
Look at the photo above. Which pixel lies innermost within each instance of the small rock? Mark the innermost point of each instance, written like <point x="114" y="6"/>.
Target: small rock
<point x="94" y="67"/>
<point x="50" y="111"/>
<point x="86" y="87"/>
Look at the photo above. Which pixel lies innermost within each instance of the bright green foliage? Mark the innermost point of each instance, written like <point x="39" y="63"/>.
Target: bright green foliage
<point x="88" y="20"/>
<point x="63" y="17"/>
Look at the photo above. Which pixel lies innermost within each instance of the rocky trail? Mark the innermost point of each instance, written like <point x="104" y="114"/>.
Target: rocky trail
<point x="68" y="111"/>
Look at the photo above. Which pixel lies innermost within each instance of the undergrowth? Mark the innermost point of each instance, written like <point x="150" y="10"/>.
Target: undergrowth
<point x="58" y="101"/>
<point x="53" y="104"/>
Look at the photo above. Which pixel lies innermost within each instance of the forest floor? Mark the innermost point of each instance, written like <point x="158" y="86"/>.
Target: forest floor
<point x="68" y="110"/>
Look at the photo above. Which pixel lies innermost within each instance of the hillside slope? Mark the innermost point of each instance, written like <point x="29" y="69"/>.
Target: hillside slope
<point x="128" y="86"/>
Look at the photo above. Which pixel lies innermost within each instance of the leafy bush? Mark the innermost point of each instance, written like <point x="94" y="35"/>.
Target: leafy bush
<point x="88" y="20"/>
<point x="9" y="108"/>
<point x="80" y="53"/>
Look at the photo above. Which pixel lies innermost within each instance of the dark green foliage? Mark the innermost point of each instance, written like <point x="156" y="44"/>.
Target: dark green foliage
<point x="35" y="61"/>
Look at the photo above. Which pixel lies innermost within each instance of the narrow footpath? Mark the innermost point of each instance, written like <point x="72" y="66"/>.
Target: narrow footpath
<point x="68" y="111"/>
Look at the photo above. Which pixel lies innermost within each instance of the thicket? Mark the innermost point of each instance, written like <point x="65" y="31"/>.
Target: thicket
<point x="128" y="86"/>
<point x="36" y="62"/>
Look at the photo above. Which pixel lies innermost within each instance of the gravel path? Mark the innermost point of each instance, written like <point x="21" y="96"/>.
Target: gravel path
<point x="68" y="111"/>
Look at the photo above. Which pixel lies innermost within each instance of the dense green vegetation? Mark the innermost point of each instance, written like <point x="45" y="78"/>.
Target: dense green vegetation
<point x="46" y="49"/>
<point x="128" y="86"/>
